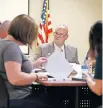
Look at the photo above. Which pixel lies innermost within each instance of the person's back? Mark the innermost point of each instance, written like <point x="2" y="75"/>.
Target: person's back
<point x="15" y="67"/>
<point x="8" y="48"/>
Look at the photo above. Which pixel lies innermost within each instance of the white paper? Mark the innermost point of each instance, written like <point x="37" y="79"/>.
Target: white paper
<point x="36" y="69"/>
<point x="77" y="68"/>
<point x="57" y="66"/>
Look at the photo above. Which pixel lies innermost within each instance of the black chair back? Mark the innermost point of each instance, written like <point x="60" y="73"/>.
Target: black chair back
<point x="4" y="96"/>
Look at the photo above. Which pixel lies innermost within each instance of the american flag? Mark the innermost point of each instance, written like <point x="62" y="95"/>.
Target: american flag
<point x="45" y="28"/>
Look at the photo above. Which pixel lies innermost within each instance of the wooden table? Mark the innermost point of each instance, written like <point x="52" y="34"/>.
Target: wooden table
<point x="63" y="83"/>
<point x="67" y="83"/>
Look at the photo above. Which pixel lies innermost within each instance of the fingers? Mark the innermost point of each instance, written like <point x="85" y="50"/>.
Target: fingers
<point x="44" y="58"/>
<point x="43" y="79"/>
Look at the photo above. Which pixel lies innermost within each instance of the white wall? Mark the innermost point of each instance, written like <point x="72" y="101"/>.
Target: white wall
<point x="11" y="8"/>
<point x="78" y="15"/>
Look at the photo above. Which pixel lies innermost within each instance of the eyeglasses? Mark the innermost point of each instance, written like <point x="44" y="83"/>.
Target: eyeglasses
<point x="60" y="35"/>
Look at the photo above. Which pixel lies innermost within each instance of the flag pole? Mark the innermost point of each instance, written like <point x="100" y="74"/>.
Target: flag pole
<point x="48" y="4"/>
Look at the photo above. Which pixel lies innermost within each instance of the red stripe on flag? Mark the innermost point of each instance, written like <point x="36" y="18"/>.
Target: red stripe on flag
<point x="50" y="31"/>
<point x="41" y="38"/>
<point x="49" y="23"/>
<point x="48" y="15"/>
<point x="40" y="26"/>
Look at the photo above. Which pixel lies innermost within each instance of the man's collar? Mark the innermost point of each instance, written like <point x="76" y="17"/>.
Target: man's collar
<point x="56" y="47"/>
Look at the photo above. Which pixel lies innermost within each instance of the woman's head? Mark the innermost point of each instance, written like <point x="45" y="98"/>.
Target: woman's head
<point x="95" y="37"/>
<point x="24" y="29"/>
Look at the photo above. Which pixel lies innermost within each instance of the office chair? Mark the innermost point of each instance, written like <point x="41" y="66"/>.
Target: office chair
<point x="4" y="96"/>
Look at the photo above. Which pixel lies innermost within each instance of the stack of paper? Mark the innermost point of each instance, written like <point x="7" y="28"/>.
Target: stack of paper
<point x="57" y="66"/>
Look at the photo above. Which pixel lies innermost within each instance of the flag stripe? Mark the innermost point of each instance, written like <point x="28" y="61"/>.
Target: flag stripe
<point x="49" y="23"/>
<point x="40" y="37"/>
<point x="50" y="31"/>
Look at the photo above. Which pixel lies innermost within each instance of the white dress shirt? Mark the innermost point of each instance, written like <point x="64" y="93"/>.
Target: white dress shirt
<point x="61" y="50"/>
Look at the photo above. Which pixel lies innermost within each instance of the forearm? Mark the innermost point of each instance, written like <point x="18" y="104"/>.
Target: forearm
<point x="36" y="65"/>
<point x="94" y="87"/>
<point x="24" y="79"/>
<point x="91" y="84"/>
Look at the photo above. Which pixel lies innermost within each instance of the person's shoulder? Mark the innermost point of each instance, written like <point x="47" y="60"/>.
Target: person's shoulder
<point x="71" y="47"/>
<point x="44" y="45"/>
<point x="12" y="46"/>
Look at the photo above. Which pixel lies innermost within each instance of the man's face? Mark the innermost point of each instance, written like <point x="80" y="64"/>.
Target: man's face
<point x="60" y="35"/>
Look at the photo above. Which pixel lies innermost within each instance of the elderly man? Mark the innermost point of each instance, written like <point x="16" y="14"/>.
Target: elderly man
<point x="60" y="35"/>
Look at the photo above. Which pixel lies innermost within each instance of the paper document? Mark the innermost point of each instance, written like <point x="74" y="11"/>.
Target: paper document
<point x="36" y="69"/>
<point x="57" y="66"/>
<point x="77" y="68"/>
